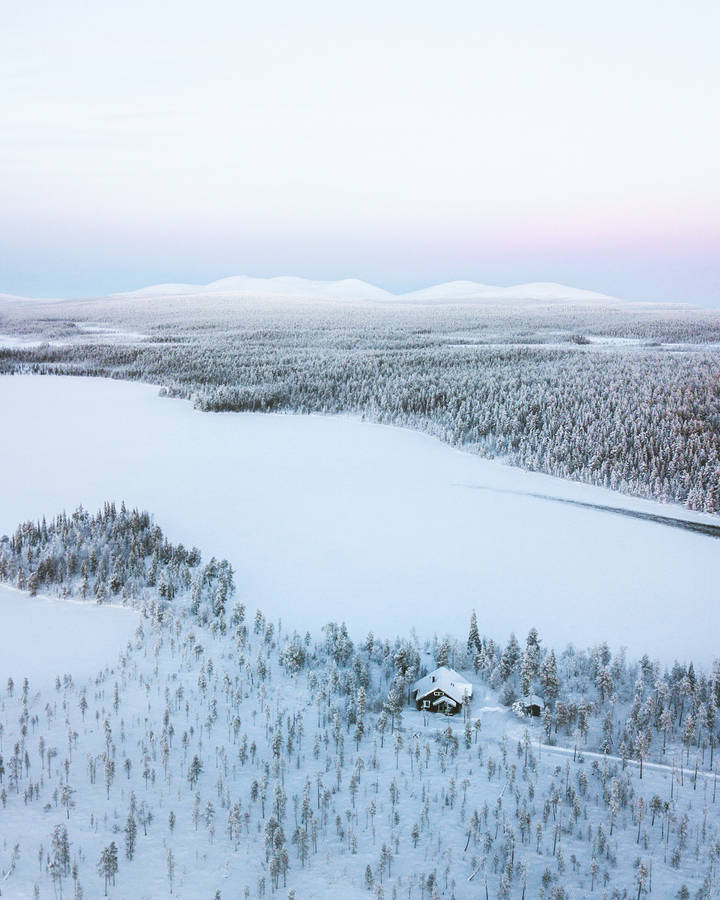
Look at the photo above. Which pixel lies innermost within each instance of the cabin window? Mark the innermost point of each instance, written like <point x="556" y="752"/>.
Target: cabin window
<point x="426" y="704"/>
<point x="437" y="693"/>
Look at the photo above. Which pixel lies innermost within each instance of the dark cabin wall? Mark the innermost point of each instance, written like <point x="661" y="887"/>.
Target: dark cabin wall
<point x="431" y="697"/>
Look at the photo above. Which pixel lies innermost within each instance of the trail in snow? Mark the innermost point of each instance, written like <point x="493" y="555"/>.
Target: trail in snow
<point x="705" y="528"/>
<point x="657" y="767"/>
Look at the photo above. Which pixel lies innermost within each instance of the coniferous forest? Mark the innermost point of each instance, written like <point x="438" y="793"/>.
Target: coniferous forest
<point x="623" y="396"/>
<point x="225" y="756"/>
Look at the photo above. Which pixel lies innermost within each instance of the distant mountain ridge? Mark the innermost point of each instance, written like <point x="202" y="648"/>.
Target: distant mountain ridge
<point x="14" y="298"/>
<point x="280" y="286"/>
<point x="355" y="289"/>
<point x="540" y="290"/>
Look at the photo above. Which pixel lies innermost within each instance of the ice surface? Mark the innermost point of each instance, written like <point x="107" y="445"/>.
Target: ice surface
<point x="42" y="637"/>
<point x="332" y="518"/>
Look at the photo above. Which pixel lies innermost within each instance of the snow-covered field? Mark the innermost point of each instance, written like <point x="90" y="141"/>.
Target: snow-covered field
<point x="85" y="332"/>
<point x="189" y="750"/>
<point x="46" y="637"/>
<point x="333" y="518"/>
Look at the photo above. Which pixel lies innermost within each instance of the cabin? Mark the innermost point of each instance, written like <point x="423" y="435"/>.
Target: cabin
<point x="532" y="705"/>
<point x="443" y="690"/>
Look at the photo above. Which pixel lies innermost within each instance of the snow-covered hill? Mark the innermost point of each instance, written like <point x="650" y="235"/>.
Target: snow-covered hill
<point x="14" y="298"/>
<point x="472" y="290"/>
<point x="284" y="286"/>
<point x="355" y="289"/>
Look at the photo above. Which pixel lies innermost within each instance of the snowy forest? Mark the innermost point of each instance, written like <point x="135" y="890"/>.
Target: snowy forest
<point x="220" y="756"/>
<point x="359" y="451"/>
<point x="621" y="396"/>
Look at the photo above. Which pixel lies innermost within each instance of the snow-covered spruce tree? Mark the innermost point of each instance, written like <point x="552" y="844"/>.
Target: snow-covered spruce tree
<point x="108" y="865"/>
<point x="474" y="644"/>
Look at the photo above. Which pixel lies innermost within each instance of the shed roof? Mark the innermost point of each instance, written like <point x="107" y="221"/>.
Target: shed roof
<point x="533" y="700"/>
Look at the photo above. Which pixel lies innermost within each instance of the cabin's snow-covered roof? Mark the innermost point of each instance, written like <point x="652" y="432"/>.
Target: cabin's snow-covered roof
<point x="446" y="680"/>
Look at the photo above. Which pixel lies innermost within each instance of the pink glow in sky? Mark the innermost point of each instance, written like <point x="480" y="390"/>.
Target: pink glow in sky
<point x="404" y="143"/>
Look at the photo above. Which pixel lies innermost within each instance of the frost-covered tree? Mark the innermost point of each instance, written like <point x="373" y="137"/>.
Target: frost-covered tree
<point x="474" y="644"/>
<point x="108" y="865"/>
<point x="510" y="658"/>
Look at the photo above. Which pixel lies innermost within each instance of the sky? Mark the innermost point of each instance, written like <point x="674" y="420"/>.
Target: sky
<point x="405" y="143"/>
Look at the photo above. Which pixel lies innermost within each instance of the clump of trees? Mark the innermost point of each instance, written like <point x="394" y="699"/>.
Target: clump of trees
<point x="115" y="554"/>
<point x="602" y="701"/>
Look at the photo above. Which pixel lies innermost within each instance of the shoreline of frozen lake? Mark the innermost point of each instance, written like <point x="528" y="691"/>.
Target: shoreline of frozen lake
<point x="334" y="518"/>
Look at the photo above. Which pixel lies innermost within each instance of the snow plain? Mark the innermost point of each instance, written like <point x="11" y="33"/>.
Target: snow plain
<point x="334" y="518"/>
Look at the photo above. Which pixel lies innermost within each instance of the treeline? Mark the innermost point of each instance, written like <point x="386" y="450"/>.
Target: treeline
<point x="644" y="420"/>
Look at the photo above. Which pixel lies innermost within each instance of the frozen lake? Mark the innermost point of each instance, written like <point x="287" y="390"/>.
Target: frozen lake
<point x="332" y="518"/>
<point x="43" y="637"/>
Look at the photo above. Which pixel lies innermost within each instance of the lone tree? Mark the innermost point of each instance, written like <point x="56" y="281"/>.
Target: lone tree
<point x="59" y="857"/>
<point x="442" y="657"/>
<point x="130" y="835"/>
<point x="108" y="865"/>
<point x="473" y="642"/>
<point x="66" y="799"/>
<point x="194" y="770"/>
<point x="170" y="868"/>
